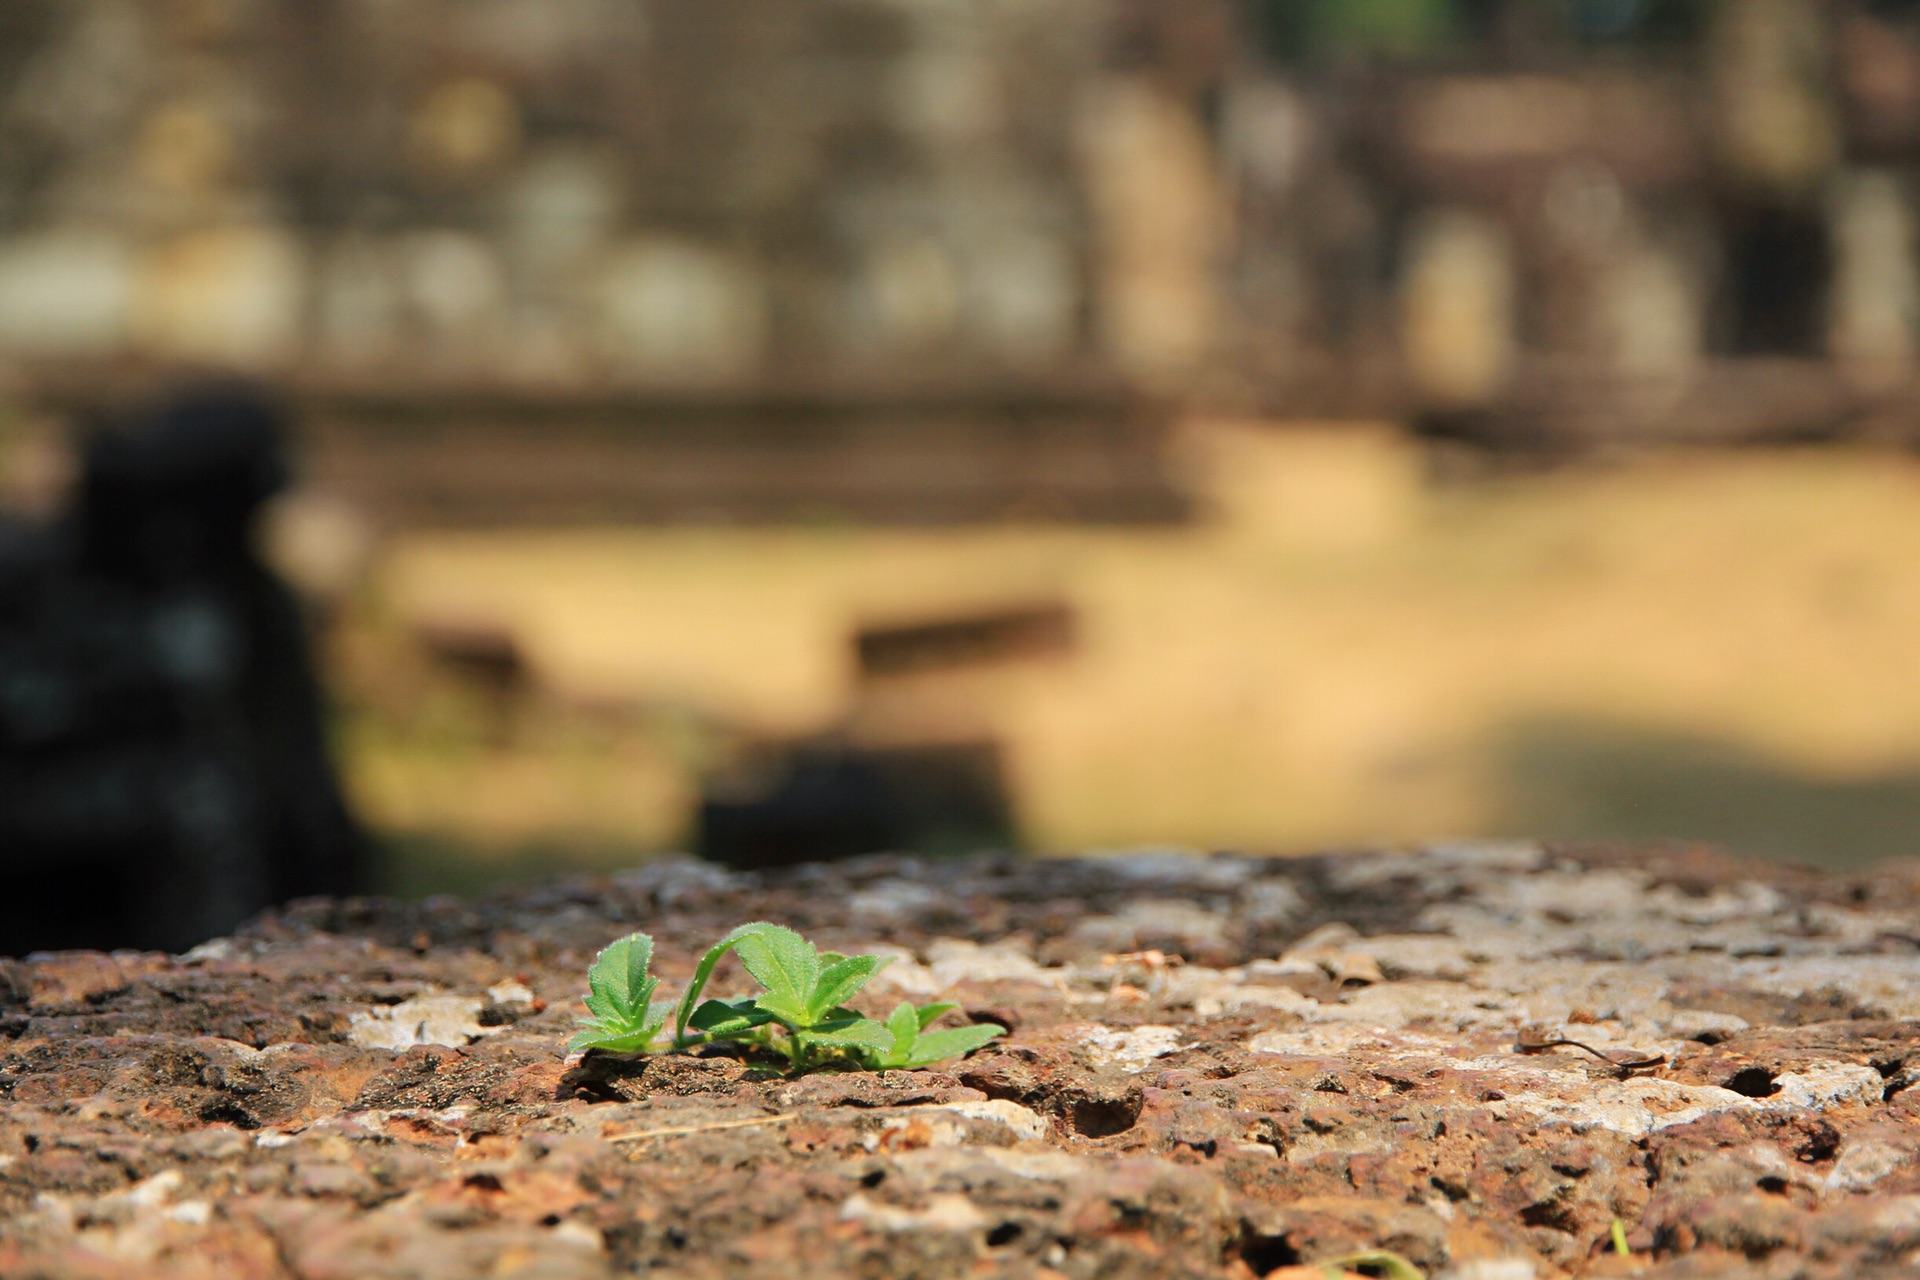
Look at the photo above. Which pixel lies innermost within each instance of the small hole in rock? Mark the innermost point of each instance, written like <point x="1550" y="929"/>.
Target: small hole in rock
<point x="551" y="1220"/>
<point x="1773" y="1186"/>
<point x="1265" y="1254"/>
<point x="1103" y="1117"/>
<point x="1551" y="1214"/>
<point x="873" y="1179"/>
<point x="1004" y="1234"/>
<point x="1753" y="1082"/>
<point x="482" y="1182"/>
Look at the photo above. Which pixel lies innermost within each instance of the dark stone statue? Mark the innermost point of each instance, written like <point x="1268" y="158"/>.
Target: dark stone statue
<point x="163" y="773"/>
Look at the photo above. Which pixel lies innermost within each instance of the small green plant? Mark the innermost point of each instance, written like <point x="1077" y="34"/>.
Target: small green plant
<point x="915" y="1046"/>
<point x="801" y="1014"/>
<point x="620" y="998"/>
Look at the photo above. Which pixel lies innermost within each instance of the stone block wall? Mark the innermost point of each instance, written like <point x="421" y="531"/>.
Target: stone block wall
<point x="1492" y="211"/>
<point x="549" y="190"/>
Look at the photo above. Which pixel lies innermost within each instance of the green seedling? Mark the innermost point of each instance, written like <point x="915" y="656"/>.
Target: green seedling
<point x="806" y="994"/>
<point x="801" y="1015"/>
<point x="620" y="998"/>
<point x="1617" y="1234"/>
<point x="914" y="1046"/>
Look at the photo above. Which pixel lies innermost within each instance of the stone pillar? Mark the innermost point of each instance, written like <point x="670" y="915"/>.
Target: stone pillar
<point x="1457" y="308"/>
<point x="1874" y="308"/>
<point x="1159" y="228"/>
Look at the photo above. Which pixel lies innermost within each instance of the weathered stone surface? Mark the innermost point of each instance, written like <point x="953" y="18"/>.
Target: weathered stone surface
<point x="1305" y="1060"/>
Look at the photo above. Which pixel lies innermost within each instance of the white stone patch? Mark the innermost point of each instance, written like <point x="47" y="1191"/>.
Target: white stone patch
<point x="941" y="1131"/>
<point x="1897" y="1216"/>
<point x="1288" y="971"/>
<point x="1568" y="895"/>
<point x="1850" y="927"/>
<point x="1183" y="922"/>
<point x="1735" y="902"/>
<point x="1328" y="1040"/>
<point x="1823" y="1087"/>
<point x="1642" y="1105"/>
<point x="1493" y="1269"/>
<point x="1132" y="1051"/>
<point x="893" y="900"/>
<point x="1890" y="984"/>
<point x="1862" y="1164"/>
<point x="954" y="961"/>
<point x="1631" y="1107"/>
<point x="1041" y="1166"/>
<point x="1186" y="867"/>
<point x="578" y="1235"/>
<point x="443" y="1020"/>
<point x="1271" y="902"/>
<point x="1212" y="991"/>
<point x="1024" y="1122"/>
<point x="671" y="879"/>
<point x="1686" y="1024"/>
<point x="944" y="1212"/>
<point x="1440" y="868"/>
<point x="1399" y="1004"/>
<point x="1373" y="870"/>
<point x="905" y="975"/>
<point x="160" y="1189"/>
<point x="1418" y="956"/>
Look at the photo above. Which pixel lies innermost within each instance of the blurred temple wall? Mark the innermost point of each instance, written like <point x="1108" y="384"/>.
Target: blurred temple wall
<point x="1529" y="222"/>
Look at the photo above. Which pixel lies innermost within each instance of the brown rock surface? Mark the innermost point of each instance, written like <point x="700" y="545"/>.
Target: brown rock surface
<point x="1217" y="1067"/>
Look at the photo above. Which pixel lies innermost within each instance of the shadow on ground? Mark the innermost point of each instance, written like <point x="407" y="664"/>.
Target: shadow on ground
<point x="1582" y="780"/>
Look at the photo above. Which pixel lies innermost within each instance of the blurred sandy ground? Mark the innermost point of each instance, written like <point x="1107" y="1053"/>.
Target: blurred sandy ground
<point x="1358" y="644"/>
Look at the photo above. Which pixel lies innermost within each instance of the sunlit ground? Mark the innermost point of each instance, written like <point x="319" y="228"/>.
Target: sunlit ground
<point x="1345" y="651"/>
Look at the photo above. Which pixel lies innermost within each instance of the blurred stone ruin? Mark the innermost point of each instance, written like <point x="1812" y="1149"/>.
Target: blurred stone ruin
<point x="625" y="248"/>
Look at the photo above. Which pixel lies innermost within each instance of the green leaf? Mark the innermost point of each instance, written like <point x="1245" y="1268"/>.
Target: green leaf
<point x="904" y="1024"/>
<point x="926" y="1014"/>
<point x="610" y="1041"/>
<point x="840" y="981"/>
<point x="623" y="1034"/>
<point x="862" y="1033"/>
<point x="783" y="962"/>
<point x="618" y="982"/>
<point x="934" y="1046"/>
<point x="718" y="1019"/>
<point x="702" y="972"/>
<point x="1391" y="1266"/>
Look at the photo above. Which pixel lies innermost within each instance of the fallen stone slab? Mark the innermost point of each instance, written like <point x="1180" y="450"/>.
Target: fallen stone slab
<point x="1495" y="1061"/>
